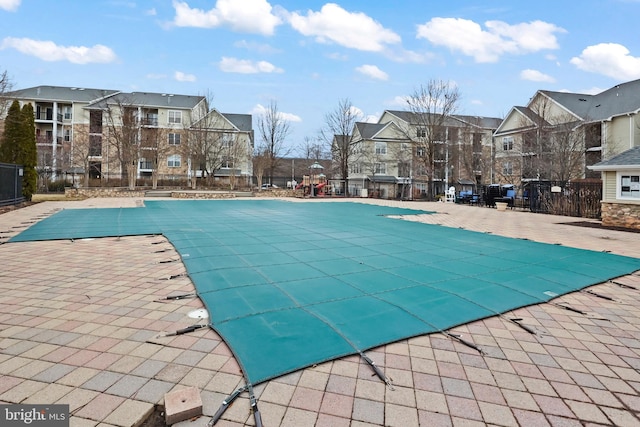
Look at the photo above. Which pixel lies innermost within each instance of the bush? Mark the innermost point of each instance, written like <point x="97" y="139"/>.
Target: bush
<point x="56" y="187"/>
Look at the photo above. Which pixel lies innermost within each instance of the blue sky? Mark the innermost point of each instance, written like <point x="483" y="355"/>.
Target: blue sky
<point x="247" y="53"/>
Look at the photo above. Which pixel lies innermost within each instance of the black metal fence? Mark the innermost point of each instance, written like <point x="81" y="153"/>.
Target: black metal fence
<point x="578" y="199"/>
<point x="11" y="184"/>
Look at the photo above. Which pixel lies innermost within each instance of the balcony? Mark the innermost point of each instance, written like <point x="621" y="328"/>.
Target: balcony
<point x="47" y="140"/>
<point x="47" y="116"/>
<point x="149" y="121"/>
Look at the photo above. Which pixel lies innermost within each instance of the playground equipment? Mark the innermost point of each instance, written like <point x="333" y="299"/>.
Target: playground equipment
<point x="314" y="186"/>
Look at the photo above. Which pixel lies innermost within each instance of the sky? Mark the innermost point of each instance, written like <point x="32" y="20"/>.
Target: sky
<point x="247" y="54"/>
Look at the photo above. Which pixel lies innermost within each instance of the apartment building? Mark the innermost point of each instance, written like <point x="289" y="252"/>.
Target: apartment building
<point x="558" y="135"/>
<point x="109" y="137"/>
<point x="402" y="156"/>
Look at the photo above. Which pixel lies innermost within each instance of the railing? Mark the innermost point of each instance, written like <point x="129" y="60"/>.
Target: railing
<point x="578" y="199"/>
<point x="149" y="121"/>
<point x="47" y="115"/>
<point x="47" y="140"/>
<point x="11" y="184"/>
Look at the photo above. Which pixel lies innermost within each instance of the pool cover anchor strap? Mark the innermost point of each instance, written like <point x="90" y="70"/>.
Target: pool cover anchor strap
<point x="622" y="285"/>
<point x="584" y="313"/>
<point x="377" y="371"/>
<point x="595" y="294"/>
<point x="175" y="297"/>
<point x="225" y="404"/>
<point x="254" y="406"/>
<point x="517" y="321"/>
<point x="463" y="341"/>
<point x="183" y="331"/>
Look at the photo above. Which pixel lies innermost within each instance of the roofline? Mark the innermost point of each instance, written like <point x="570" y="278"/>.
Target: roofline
<point x="613" y="168"/>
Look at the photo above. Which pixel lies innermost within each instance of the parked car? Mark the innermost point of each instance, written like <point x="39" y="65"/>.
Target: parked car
<point x="268" y="186"/>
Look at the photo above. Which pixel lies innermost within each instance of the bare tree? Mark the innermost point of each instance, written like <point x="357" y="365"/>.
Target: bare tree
<point x="273" y="129"/>
<point x="338" y="135"/>
<point x="155" y="145"/>
<point x="553" y="146"/>
<point x="468" y="153"/>
<point x="207" y="146"/>
<point x="5" y="87"/>
<point x="313" y="150"/>
<point x="123" y="136"/>
<point x="431" y="106"/>
<point x="261" y="162"/>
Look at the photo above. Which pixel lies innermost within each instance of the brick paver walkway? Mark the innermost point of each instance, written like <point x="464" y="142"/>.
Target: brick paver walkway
<point x="80" y="324"/>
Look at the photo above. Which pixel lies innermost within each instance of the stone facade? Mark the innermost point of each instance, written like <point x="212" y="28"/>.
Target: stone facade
<point x="621" y="215"/>
<point x="101" y="192"/>
<point x="177" y="193"/>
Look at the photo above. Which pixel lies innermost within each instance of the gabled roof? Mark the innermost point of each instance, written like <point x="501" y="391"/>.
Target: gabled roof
<point x="241" y="121"/>
<point x="619" y="100"/>
<point x="454" y="120"/>
<point x="61" y="93"/>
<point x="148" y="100"/>
<point x="369" y="130"/>
<point x="629" y="159"/>
<point x="530" y="120"/>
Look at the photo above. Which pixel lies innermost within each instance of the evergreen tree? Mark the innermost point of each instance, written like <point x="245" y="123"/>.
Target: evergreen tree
<point x="29" y="152"/>
<point x="18" y="145"/>
<point x="9" y="147"/>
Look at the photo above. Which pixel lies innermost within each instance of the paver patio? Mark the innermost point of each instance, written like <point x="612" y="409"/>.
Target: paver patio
<point x="79" y="324"/>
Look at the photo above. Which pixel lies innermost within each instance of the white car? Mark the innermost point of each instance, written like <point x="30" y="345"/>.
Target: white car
<point x="268" y="186"/>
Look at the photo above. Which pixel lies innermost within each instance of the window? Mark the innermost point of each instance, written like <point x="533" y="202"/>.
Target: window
<point x="507" y="143"/>
<point x="421" y="133"/>
<point x="630" y="186"/>
<point x="174" y="139"/>
<point x="95" y="121"/>
<point x="404" y="169"/>
<point x="174" y="161"/>
<point x="227" y="140"/>
<point x="95" y="145"/>
<point x="227" y="163"/>
<point x="354" y="168"/>
<point x="146" y="164"/>
<point x="175" y="117"/>
<point x="381" y="148"/>
<point x="507" y="168"/>
<point x="380" y="168"/>
<point x="66" y="111"/>
<point x="67" y="135"/>
<point x="421" y="152"/>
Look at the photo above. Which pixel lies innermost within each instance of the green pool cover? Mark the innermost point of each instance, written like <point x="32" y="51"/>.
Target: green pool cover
<point x="288" y="285"/>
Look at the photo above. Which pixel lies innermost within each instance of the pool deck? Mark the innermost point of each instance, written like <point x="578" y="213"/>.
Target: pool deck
<point x="80" y="324"/>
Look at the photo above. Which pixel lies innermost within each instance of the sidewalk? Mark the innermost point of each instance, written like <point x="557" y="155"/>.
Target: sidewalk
<point x="80" y="324"/>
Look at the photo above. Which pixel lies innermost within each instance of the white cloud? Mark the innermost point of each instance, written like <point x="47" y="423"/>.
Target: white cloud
<point x="49" y="51"/>
<point x="156" y="76"/>
<point x="182" y="77"/>
<point x="536" y="76"/>
<point x="151" y="12"/>
<point x="354" y="30"/>
<point x="249" y="16"/>
<point x="400" y="100"/>
<point x="262" y="48"/>
<point x="10" y="5"/>
<point x="487" y="45"/>
<point x="610" y="59"/>
<point x="371" y="118"/>
<point x="246" y="66"/>
<point x="260" y="110"/>
<point x="373" y="72"/>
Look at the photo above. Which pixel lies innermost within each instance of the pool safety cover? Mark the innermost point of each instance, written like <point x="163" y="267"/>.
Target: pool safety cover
<point x="289" y="285"/>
